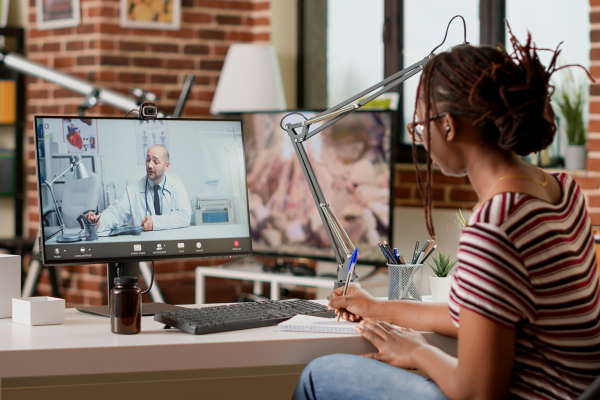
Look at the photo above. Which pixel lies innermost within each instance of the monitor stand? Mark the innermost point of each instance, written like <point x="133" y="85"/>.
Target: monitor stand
<point x="127" y="269"/>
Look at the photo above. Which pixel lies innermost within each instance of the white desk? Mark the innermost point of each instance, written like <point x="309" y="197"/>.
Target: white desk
<point x="83" y="359"/>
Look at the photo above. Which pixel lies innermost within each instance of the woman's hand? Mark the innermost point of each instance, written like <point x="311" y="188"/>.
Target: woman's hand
<point x="355" y="305"/>
<point x="396" y="345"/>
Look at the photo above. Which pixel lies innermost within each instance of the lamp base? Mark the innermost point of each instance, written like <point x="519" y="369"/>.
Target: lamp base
<point x="68" y="239"/>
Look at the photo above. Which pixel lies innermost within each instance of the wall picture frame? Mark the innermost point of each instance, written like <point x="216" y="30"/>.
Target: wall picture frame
<point x="56" y="14"/>
<point x="150" y="14"/>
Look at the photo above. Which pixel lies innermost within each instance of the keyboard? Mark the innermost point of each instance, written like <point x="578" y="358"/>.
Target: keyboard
<point x="239" y="315"/>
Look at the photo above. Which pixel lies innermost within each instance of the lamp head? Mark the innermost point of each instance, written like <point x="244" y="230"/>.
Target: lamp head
<point x="79" y="171"/>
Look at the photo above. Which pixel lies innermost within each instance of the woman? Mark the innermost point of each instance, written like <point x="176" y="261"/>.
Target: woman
<point x="525" y="293"/>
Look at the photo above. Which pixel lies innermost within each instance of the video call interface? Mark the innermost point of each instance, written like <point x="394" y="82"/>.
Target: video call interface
<point x="152" y="189"/>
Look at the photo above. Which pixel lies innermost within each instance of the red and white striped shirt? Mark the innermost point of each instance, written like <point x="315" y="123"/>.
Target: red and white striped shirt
<point x="531" y="265"/>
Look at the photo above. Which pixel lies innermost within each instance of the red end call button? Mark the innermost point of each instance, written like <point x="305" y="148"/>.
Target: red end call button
<point x="236" y="243"/>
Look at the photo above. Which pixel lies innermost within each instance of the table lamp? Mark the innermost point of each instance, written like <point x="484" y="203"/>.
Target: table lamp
<point x="79" y="172"/>
<point x="250" y="81"/>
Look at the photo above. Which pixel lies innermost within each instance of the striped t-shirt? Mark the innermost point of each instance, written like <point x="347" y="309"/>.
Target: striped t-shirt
<point x="531" y="265"/>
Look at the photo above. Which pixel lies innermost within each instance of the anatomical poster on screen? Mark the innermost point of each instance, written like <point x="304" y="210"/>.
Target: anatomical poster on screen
<point x="147" y="134"/>
<point x="80" y="136"/>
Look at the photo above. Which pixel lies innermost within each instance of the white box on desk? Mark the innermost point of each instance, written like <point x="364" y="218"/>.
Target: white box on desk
<point x="38" y="310"/>
<point x="10" y="282"/>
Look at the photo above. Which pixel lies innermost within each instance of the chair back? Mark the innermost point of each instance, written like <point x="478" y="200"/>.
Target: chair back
<point x="79" y="196"/>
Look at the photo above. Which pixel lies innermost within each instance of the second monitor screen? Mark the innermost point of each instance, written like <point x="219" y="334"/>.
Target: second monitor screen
<point x="351" y="160"/>
<point x="180" y="183"/>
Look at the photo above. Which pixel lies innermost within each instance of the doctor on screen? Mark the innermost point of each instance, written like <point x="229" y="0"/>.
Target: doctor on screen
<point x="155" y="202"/>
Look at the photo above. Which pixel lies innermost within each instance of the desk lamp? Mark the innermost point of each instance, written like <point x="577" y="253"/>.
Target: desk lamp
<point x="339" y="239"/>
<point x="79" y="172"/>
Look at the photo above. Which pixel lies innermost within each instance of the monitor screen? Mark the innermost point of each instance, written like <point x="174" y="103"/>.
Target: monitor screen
<point x="352" y="162"/>
<point x="140" y="189"/>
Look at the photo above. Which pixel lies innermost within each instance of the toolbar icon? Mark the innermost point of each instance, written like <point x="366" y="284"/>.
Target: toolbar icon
<point x="137" y="247"/>
<point x="180" y="245"/>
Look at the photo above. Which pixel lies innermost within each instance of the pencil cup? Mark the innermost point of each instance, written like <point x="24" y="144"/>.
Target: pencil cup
<point x="405" y="281"/>
<point x="91" y="232"/>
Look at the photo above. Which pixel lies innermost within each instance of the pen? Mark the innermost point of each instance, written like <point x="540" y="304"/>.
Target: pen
<point x="424" y="246"/>
<point x="428" y="254"/>
<point x="386" y="254"/>
<point x="415" y="252"/>
<point x="429" y="246"/>
<point x="349" y="277"/>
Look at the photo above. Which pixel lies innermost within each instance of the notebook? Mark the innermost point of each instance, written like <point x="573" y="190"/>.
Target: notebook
<point x="308" y="323"/>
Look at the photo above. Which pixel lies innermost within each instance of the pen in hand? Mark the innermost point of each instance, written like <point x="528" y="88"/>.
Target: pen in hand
<point x="349" y="277"/>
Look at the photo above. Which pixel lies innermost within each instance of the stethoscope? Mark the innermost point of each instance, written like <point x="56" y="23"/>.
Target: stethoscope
<point x="164" y="189"/>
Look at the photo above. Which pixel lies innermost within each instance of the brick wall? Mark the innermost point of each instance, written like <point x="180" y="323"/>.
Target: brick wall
<point x="101" y="52"/>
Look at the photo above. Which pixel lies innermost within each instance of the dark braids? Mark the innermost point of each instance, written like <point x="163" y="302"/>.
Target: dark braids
<point x="506" y="95"/>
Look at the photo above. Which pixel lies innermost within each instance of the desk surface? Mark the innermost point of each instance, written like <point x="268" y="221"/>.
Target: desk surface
<point x="84" y="344"/>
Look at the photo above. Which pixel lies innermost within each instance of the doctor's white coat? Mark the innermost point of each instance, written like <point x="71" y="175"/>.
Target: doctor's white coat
<point x="176" y="212"/>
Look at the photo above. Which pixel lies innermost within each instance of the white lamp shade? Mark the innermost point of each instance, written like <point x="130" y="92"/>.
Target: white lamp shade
<point x="250" y="81"/>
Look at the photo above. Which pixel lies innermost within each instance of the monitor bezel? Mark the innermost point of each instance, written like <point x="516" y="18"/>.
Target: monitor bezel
<point x="393" y="154"/>
<point x="100" y="260"/>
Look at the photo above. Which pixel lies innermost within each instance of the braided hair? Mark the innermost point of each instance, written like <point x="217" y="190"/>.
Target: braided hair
<point x="506" y="95"/>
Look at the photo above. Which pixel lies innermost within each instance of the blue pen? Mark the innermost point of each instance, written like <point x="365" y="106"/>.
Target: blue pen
<point x="388" y="255"/>
<point x="350" y="272"/>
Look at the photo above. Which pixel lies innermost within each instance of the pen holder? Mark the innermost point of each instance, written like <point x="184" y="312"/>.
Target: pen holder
<point x="91" y="232"/>
<point x="404" y="281"/>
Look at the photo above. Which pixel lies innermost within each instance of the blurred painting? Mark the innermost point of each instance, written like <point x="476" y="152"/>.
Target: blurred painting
<point x="55" y="14"/>
<point x="351" y="160"/>
<point x="151" y="14"/>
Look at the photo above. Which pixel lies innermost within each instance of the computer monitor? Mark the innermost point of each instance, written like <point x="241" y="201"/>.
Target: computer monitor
<point x="353" y="163"/>
<point x="193" y="168"/>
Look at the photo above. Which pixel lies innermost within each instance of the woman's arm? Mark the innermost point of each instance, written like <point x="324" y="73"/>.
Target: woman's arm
<point x="357" y="304"/>
<point x="486" y="352"/>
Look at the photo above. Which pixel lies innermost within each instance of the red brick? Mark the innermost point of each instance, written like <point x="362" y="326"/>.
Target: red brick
<point x="196" y="111"/>
<point x="102" y="44"/>
<point x="164" y="79"/>
<point x="104" y="76"/>
<point x="148" y="62"/>
<point x="593" y="164"/>
<point x="593" y="144"/>
<point x="73" y="300"/>
<point x="132" y="77"/>
<point x="229" y="20"/>
<point x="263" y="21"/>
<point x="113" y="60"/>
<point x="33" y="33"/>
<point x="63" y="31"/>
<point x="595" y="17"/>
<point x="240" y="36"/>
<point x="594" y="2"/>
<point x="221" y="50"/>
<point x="52" y="47"/>
<point x="203" y="96"/>
<point x="402" y="192"/>
<point x="595" y="54"/>
<point x="196" y="17"/>
<point x="113" y="29"/>
<point x="211" y="34"/>
<point x="463" y="195"/>
<point x="440" y="178"/>
<point x="196" y="49"/>
<point x="103" y="12"/>
<point x="86" y="60"/>
<point x="587" y="182"/>
<point x="595" y="36"/>
<point x="37" y="94"/>
<point x="63" y="93"/>
<point x="73" y="46"/>
<point x="180" y="64"/>
<point x="91" y="285"/>
<point x="211" y="65"/>
<point x="595" y="105"/>
<point x="164" y="48"/>
<point x="87" y="28"/>
<point x="261" y="37"/>
<point x="238" y="5"/>
<point x="132" y="46"/>
<point x="594" y="125"/>
<point x="62" y="62"/>
<point x="52" y="110"/>
<point x="260" y="6"/>
<point x="437" y="194"/>
<point x="594" y="201"/>
<point x="187" y="3"/>
<point x="183" y="33"/>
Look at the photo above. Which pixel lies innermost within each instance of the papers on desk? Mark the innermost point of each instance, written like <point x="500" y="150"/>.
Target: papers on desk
<point x="308" y="323"/>
<point x="103" y="234"/>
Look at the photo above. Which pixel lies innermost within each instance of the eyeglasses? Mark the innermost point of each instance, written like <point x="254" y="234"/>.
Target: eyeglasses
<point x="416" y="128"/>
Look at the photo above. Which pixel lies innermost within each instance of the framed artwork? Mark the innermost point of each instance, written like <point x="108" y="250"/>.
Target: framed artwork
<point x="3" y="13"/>
<point x="54" y="14"/>
<point x="151" y="14"/>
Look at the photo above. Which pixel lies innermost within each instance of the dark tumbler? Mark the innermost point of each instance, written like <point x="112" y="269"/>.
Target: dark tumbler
<point x="126" y="306"/>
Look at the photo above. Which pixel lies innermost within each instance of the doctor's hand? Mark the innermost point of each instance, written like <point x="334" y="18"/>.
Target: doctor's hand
<point x="355" y="305"/>
<point x="92" y="217"/>
<point x="395" y="344"/>
<point x="147" y="223"/>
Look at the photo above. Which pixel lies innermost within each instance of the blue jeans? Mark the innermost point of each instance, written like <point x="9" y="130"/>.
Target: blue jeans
<point x="344" y="376"/>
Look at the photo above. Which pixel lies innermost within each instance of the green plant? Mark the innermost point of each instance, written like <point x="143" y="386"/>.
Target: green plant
<point x="570" y="99"/>
<point x="462" y="222"/>
<point x="443" y="264"/>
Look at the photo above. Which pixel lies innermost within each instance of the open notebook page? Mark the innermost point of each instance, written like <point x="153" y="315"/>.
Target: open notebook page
<point x="308" y="323"/>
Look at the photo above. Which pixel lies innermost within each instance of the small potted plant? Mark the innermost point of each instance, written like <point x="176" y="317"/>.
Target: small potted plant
<point x="570" y="102"/>
<point x="440" y="283"/>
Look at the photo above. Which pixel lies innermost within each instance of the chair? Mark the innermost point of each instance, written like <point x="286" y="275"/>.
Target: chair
<point x="79" y="196"/>
<point x="592" y="392"/>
